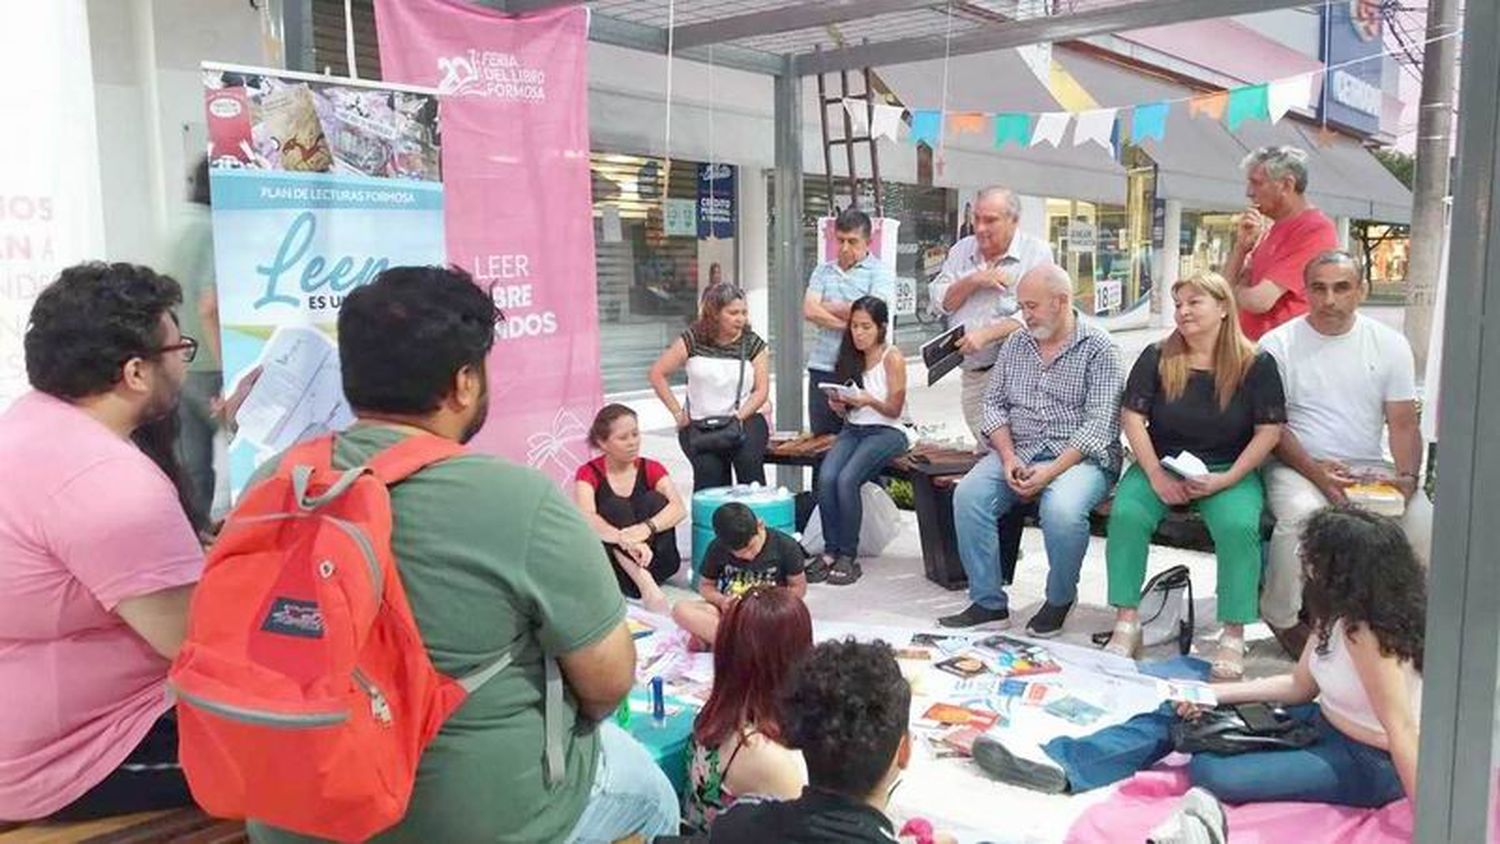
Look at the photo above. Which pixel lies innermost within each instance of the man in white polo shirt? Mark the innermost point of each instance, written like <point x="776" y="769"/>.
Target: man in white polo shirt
<point x="1347" y="378"/>
<point x="976" y="288"/>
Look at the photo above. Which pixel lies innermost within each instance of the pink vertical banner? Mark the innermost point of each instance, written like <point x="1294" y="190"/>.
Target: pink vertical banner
<point x="519" y="208"/>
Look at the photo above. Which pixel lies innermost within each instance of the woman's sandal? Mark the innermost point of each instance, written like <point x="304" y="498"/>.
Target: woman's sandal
<point x="1229" y="661"/>
<point x="1125" y="640"/>
<point x="844" y="571"/>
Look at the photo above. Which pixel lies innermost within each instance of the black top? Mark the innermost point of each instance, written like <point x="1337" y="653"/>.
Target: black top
<point x="817" y="817"/>
<point x="779" y="559"/>
<point x="751" y="342"/>
<point x="1194" y="421"/>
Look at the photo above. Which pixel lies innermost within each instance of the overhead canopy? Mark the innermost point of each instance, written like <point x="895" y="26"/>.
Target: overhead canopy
<point x="1196" y="160"/>
<point x="1002" y="81"/>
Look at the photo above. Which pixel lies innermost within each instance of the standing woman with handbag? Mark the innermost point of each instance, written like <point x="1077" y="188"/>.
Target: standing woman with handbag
<point x="721" y="428"/>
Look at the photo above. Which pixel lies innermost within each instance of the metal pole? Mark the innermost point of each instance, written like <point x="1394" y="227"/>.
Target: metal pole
<point x="1463" y="620"/>
<point x="297" y="29"/>
<point x="787" y="264"/>
<point x="1430" y="183"/>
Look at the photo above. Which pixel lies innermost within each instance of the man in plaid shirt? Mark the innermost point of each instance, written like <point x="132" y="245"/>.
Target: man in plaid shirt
<point x="1052" y="416"/>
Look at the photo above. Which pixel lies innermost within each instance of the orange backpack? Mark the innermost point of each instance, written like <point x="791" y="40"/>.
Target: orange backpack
<point x="305" y="696"/>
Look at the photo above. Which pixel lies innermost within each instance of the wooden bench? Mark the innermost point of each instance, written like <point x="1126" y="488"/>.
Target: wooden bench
<point x="173" y="826"/>
<point x="934" y="471"/>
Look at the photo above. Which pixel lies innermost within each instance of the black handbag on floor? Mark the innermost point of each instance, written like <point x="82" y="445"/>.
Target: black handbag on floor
<point x="1242" y="728"/>
<point x="720" y="434"/>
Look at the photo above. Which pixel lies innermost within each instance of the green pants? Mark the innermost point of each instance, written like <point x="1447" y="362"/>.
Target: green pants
<point x="1233" y="519"/>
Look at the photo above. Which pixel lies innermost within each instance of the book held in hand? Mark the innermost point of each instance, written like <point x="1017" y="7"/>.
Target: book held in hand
<point x="941" y="355"/>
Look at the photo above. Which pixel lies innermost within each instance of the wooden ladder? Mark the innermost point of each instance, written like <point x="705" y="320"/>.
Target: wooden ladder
<point x="849" y="140"/>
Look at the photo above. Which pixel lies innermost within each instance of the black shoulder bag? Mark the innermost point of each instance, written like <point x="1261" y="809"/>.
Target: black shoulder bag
<point x="720" y="434"/>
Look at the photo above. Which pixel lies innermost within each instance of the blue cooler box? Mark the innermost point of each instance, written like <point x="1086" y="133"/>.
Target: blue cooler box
<point x="776" y="507"/>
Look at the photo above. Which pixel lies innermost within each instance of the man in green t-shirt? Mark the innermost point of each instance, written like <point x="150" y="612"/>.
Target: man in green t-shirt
<point x="493" y="558"/>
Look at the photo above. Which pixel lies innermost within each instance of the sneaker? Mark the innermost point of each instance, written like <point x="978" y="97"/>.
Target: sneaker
<point x="817" y="570"/>
<point x="975" y="615"/>
<point x="1048" y="621"/>
<point x="1198" y="820"/>
<point x="1033" y="770"/>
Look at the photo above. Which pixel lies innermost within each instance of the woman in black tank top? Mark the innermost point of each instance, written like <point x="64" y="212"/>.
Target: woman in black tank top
<point x="636" y="528"/>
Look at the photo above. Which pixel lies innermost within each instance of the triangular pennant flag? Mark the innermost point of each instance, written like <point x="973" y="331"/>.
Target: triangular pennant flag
<point x="1247" y="103"/>
<point x="1287" y="94"/>
<point x="859" y="116"/>
<point x="1097" y="125"/>
<point x="925" y="126"/>
<point x="1149" y="121"/>
<point x="1050" y="127"/>
<point x="1212" y="105"/>
<point x="1012" y="126"/>
<point x="966" y="123"/>
<point x="887" y="121"/>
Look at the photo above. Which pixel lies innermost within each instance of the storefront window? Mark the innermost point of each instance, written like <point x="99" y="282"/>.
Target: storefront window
<point x="658" y="241"/>
<point x="1207" y="237"/>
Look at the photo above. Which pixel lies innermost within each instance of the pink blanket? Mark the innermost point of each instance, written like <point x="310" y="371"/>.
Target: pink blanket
<point x="1147" y="799"/>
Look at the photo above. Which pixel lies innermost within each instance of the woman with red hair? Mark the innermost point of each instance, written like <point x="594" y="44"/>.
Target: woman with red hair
<point x="736" y="746"/>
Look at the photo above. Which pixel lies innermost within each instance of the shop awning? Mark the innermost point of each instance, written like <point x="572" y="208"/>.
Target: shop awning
<point x="1198" y="162"/>
<point x="1001" y="81"/>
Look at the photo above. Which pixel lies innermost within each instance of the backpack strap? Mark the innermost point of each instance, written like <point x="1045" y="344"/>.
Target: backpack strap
<point x="410" y="456"/>
<point x="552" y="707"/>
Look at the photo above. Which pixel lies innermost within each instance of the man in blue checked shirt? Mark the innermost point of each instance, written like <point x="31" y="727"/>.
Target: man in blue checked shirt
<point x="1051" y="414"/>
<point x="831" y="289"/>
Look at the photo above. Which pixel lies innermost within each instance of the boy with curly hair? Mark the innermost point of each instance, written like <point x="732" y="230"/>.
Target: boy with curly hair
<point x="846" y="708"/>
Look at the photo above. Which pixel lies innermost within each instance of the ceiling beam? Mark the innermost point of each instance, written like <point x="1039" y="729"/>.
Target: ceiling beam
<point x="1050" y="29"/>
<point x="526" y="7"/>
<point x="653" y="39"/>
<point x="790" y="19"/>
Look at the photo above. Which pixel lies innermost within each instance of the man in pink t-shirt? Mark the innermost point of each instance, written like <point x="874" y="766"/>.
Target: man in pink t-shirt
<point x="97" y="557"/>
<point x="1277" y="235"/>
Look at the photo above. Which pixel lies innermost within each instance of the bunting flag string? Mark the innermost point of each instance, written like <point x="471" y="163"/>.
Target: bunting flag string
<point x="1268" y="102"/>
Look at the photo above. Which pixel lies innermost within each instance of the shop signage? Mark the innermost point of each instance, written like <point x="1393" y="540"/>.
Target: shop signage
<point x="906" y="297"/>
<point x="679" y="217"/>
<point x="1352" y="44"/>
<point x="1108" y="296"/>
<point x="716" y="201"/>
<point x="318" y="185"/>
<point x="1081" y="236"/>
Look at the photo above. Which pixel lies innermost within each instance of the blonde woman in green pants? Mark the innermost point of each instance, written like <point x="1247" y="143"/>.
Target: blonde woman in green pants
<point x="1203" y="390"/>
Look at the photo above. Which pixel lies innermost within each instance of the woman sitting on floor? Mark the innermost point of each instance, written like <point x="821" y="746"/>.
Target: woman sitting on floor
<point x="1358" y="686"/>
<point x="736" y="744"/>
<point x="1206" y="391"/>
<point x="873" y="433"/>
<point x="633" y="506"/>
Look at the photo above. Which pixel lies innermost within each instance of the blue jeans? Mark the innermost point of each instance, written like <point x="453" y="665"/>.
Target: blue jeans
<point x="630" y="793"/>
<point x="983" y="496"/>
<point x="1335" y="769"/>
<point x="857" y="456"/>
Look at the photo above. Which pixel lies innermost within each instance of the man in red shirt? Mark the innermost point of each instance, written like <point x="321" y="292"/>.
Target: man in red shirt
<point x="1277" y="235"/>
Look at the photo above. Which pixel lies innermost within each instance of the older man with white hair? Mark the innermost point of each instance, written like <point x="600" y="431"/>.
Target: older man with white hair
<point x="1277" y="235"/>
<point x="976" y="288"/>
<point x="1052" y="418"/>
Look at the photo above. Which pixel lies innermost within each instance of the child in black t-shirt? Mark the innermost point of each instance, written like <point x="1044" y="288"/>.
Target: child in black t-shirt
<point x="744" y="553"/>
